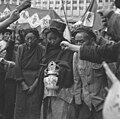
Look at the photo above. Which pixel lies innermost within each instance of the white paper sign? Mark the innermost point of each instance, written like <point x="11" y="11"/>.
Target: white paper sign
<point x="34" y="20"/>
<point x="45" y="21"/>
<point x="89" y="19"/>
<point x="6" y="12"/>
<point x="24" y="16"/>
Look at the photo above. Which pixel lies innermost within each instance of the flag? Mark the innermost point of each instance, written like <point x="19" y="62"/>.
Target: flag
<point x="44" y="22"/>
<point x="34" y="21"/>
<point x="24" y="16"/>
<point x="67" y="34"/>
<point x="91" y="18"/>
<point x="6" y="12"/>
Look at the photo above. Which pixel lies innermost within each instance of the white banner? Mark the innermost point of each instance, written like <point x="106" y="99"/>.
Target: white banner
<point x="6" y="12"/>
<point x="24" y="16"/>
<point x="44" y="22"/>
<point x="34" y="21"/>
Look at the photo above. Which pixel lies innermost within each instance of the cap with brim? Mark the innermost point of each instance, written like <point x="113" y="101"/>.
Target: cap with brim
<point x="86" y="30"/>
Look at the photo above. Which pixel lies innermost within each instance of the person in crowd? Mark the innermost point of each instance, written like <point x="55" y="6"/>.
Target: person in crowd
<point x="13" y="17"/>
<point x="28" y="61"/>
<point x="97" y="54"/>
<point x="4" y="23"/>
<point x="90" y="79"/>
<point x="10" y="82"/>
<point x="59" y="104"/>
<point x="112" y="21"/>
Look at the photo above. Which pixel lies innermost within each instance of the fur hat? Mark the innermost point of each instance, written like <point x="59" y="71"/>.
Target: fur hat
<point x="57" y="25"/>
<point x="32" y="30"/>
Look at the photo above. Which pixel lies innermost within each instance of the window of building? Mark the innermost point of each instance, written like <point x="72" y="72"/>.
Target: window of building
<point x="74" y="8"/>
<point x="81" y="8"/>
<point x="106" y="0"/>
<point x="7" y="1"/>
<point x="111" y="0"/>
<point x="56" y="7"/>
<point x="81" y="1"/>
<point x="74" y="2"/>
<point x="68" y="2"/>
<point x="63" y="2"/>
<point x="50" y="7"/>
<point x="67" y="8"/>
<point x="51" y="2"/>
<point x="100" y="0"/>
<point x="37" y="2"/>
<point x="45" y="2"/>
<point x="100" y="7"/>
<point x="106" y="7"/>
<point x="57" y="2"/>
<point x="88" y="1"/>
<point x="13" y="1"/>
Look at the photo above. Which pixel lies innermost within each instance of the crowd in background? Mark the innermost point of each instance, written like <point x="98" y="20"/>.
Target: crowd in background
<point x="42" y="78"/>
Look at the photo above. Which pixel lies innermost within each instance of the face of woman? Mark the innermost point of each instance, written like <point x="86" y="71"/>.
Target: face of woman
<point x="53" y="39"/>
<point x="80" y="38"/>
<point x="30" y="40"/>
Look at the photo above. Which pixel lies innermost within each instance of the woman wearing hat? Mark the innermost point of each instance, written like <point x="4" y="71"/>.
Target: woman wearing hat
<point x="57" y="105"/>
<point x="27" y="67"/>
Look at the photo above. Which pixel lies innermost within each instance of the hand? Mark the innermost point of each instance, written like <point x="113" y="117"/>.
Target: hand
<point x="11" y="63"/>
<point x="65" y="45"/>
<point x="14" y="15"/>
<point x="31" y="89"/>
<point x="24" y="5"/>
<point x="24" y="86"/>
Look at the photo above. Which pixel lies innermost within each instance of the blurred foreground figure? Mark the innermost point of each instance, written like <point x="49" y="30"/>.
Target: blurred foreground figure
<point x="111" y="21"/>
<point x="4" y="23"/>
<point x="111" y="108"/>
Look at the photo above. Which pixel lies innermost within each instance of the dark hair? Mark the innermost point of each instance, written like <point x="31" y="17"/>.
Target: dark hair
<point x="34" y="31"/>
<point x="117" y="3"/>
<point x="7" y="30"/>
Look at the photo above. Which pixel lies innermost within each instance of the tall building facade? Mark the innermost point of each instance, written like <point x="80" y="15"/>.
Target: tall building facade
<point x="73" y="8"/>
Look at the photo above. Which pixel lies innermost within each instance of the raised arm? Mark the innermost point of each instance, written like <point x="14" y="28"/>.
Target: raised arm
<point x="13" y="17"/>
<point x="6" y="21"/>
<point x="96" y="54"/>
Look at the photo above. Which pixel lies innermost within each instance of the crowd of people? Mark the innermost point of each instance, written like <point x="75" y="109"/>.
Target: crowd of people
<point x="44" y="76"/>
